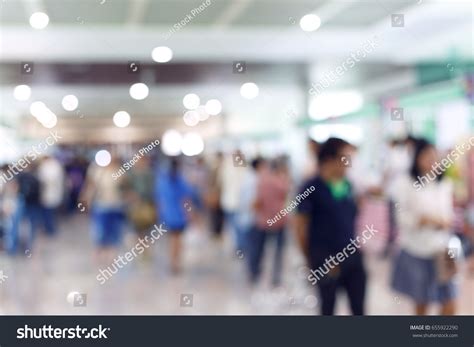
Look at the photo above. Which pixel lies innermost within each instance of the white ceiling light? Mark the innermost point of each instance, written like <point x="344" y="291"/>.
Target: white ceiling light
<point x="70" y="102"/>
<point x="121" y="119"/>
<point x="162" y="54"/>
<point x="139" y="91"/>
<point x="191" y="101"/>
<point x="191" y="118"/>
<point x="192" y="144"/>
<point x="310" y="22"/>
<point x="22" y="92"/>
<point x="171" y="142"/>
<point x="213" y="107"/>
<point x="47" y="118"/>
<point x="103" y="158"/>
<point x="36" y="108"/>
<point x="43" y="114"/>
<point x="333" y="104"/>
<point x="50" y="121"/>
<point x="39" y="20"/>
<point x="249" y="90"/>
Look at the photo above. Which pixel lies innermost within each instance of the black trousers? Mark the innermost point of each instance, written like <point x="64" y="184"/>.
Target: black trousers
<point x="217" y="220"/>
<point x="350" y="276"/>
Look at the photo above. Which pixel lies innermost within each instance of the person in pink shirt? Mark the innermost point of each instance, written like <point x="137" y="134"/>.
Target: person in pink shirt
<point x="270" y="218"/>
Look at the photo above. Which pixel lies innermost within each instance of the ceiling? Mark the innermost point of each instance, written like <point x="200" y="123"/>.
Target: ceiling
<point x="259" y="30"/>
<point x="88" y="45"/>
<point x="234" y="13"/>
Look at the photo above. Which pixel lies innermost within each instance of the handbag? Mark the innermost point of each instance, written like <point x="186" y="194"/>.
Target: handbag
<point x="447" y="261"/>
<point x="142" y="215"/>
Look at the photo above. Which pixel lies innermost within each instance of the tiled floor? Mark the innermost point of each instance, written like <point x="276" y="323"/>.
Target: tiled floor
<point x="213" y="277"/>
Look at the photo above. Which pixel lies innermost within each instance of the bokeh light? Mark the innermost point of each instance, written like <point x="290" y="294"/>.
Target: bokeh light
<point x="39" y="20"/>
<point x="249" y="90"/>
<point x="70" y="102"/>
<point x="171" y="142"/>
<point x="121" y="119"/>
<point x="310" y="22"/>
<point x="139" y="91"/>
<point x="103" y="158"/>
<point x="192" y="144"/>
<point x="162" y="54"/>
<point x="22" y="92"/>
<point x="191" y="101"/>
<point x="213" y="107"/>
<point x="191" y="118"/>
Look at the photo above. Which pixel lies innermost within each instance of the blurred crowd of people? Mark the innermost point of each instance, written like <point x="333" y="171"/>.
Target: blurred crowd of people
<point x="254" y="201"/>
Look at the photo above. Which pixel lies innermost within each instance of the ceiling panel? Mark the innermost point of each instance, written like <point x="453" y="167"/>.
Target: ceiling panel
<point x="85" y="12"/>
<point x="256" y="13"/>
<point x="276" y="13"/>
<point x="169" y="12"/>
<point x="11" y="12"/>
<point x="368" y="12"/>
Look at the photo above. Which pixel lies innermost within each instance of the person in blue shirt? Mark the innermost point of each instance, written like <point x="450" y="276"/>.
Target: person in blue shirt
<point x="325" y="227"/>
<point x="173" y="198"/>
<point x="27" y="186"/>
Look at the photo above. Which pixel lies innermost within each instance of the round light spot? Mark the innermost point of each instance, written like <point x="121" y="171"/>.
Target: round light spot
<point x="103" y="158"/>
<point x="191" y="118"/>
<point x="310" y="22"/>
<point x="70" y="102"/>
<point x="213" y="107"/>
<point x="39" y="20"/>
<point x="191" y="101"/>
<point x="171" y="142"/>
<point x="139" y="91"/>
<point x="22" y="92"/>
<point x="192" y="144"/>
<point x="162" y="54"/>
<point x="249" y="90"/>
<point x="121" y="119"/>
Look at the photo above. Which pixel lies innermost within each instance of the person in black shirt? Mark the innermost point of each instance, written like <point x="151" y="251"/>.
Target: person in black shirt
<point x="325" y="226"/>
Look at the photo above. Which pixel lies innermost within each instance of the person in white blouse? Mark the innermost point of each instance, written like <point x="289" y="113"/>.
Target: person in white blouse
<point x="425" y="215"/>
<point x="231" y="181"/>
